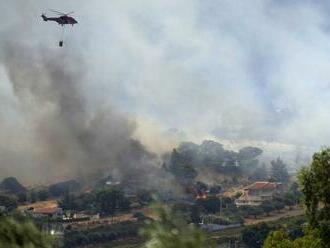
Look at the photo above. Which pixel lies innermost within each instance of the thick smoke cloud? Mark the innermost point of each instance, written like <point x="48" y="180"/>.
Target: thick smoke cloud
<point x="70" y="140"/>
<point x="242" y="71"/>
<point x="62" y="134"/>
<point x="255" y="73"/>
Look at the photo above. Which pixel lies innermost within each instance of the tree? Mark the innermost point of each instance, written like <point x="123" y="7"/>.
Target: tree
<point x="9" y="202"/>
<point x="210" y="204"/>
<point x="260" y="173"/>
<point x="11" y="185"/>
<point x="33" y="196"/>
<point x="181" y="167"/>
<point x="171" y="231"/>
<point x="195" y="214"/>
<point x="267" y="207"/>
<point x="279" y="171"/>
<point x="315" y="187"/>
<point x="139" y="216"/>
<point x="43" y="195"/>
<point x="249" y="153"/>
<point x="295" y="192"/>
<point x="25" y="235"/>
<point x="290" y="199"/>
<point x="278" y="239"/>
<point x="311" y="239"/>
<point x="254" y="236"/>
<point x="22" y="197"/>
<point x="251" y="211"/>
<point x="61" y="188"/>
<point x="293" y="196"/>
<point x="111" y="199"/>
<point x="68" y="202"/>
<point x="215" y="189"/>
<point x="278" y="204"/>
<point x="255" y="211"/>
<point x="144" y="196"/>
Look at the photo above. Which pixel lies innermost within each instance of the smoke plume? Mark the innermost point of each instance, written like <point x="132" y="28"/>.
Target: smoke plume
<point x="67" y="139"/>
<point x="194" y="66"/>
<point x="51" y="126"/>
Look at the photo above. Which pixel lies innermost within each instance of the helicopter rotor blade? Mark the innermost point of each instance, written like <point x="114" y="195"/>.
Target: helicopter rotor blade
<point x="69" y="13"/>
<point x="57" y="12"/>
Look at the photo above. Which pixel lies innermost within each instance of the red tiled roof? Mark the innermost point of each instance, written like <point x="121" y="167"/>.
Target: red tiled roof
<point x="263" y="185"/>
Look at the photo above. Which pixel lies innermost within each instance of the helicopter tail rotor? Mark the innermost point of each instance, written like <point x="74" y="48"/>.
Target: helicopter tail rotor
<point x="44" y="17"/>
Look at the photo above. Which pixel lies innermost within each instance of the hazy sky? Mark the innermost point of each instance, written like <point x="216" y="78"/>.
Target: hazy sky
<point x="238" y="70"/>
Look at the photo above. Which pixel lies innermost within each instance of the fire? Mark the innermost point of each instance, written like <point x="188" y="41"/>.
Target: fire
<point x="202" y="196"/>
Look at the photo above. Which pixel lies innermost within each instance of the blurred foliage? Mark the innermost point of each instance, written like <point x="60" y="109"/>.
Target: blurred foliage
<point x="315" y="187"/>
<point x="107" y="200"/>
<point x="169" y="230"/>
<point x="254" y="236"/>
<point x="12" y="186"/>
<point x="15" y="234"/>
<point x="280" y="239"/>
<point x="101" y="234"/>
<point x="7" y="201"/>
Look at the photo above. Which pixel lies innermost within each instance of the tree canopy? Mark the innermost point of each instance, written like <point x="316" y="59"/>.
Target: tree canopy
<point x="279" y="171"/>
<point x="12" y="186"/>
<point x="315" y="187"/>
<point x="171" y="231"/>
<point x="111" y="199"/>
<point x="21" y="235"/>
<point x="280" y="239"/>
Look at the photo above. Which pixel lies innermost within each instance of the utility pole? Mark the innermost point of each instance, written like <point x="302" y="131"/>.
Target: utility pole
<point x="220" y="206"/>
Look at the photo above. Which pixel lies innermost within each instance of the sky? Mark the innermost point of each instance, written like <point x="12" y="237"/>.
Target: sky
<point x="237" y="71"/>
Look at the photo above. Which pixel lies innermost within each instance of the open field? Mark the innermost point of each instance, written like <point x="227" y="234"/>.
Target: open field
<point x="40" y="204"/>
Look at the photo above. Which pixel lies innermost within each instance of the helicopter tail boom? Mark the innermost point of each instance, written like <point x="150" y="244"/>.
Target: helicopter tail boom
<point x="44" y="17"/>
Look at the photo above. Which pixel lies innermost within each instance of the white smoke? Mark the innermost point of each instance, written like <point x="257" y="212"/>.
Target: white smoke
<point x="252" y="71"/>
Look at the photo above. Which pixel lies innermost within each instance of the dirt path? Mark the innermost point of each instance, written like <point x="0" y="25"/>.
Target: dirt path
<point x="277" y="216"/>
<point x="40" y="204"/>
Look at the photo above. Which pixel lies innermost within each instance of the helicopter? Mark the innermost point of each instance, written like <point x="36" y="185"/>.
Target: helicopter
<point x="63" y="19"/>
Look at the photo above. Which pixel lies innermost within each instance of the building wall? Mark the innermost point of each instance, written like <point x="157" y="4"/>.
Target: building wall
<point x="255" y="197"/>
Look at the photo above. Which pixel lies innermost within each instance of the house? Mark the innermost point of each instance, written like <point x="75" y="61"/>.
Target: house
<point x="82" y="215"/>
<point x="258" y="192"/>
<point x="54" y="212"/>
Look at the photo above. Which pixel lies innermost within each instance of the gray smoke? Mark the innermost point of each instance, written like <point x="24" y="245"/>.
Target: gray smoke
<point x="191" y="65"/>
<point x="51" y="126"/>
<point x="68" y="139"/>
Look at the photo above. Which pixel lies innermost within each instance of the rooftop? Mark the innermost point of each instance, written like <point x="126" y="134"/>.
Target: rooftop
<point x="47" y="210"/>
<point x="263" y="185"/>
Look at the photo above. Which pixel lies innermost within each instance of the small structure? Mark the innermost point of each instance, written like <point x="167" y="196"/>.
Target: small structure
<point x="46" y="212"/>
<point x="79" y="216"/>
<point x="82" y="215"/>
<point x="258" y="192"/>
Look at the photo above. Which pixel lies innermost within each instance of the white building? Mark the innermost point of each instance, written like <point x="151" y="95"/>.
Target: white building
<point x="258" y="192"/>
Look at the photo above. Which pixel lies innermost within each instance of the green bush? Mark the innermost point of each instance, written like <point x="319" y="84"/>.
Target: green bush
<point x="24" y="235"/>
